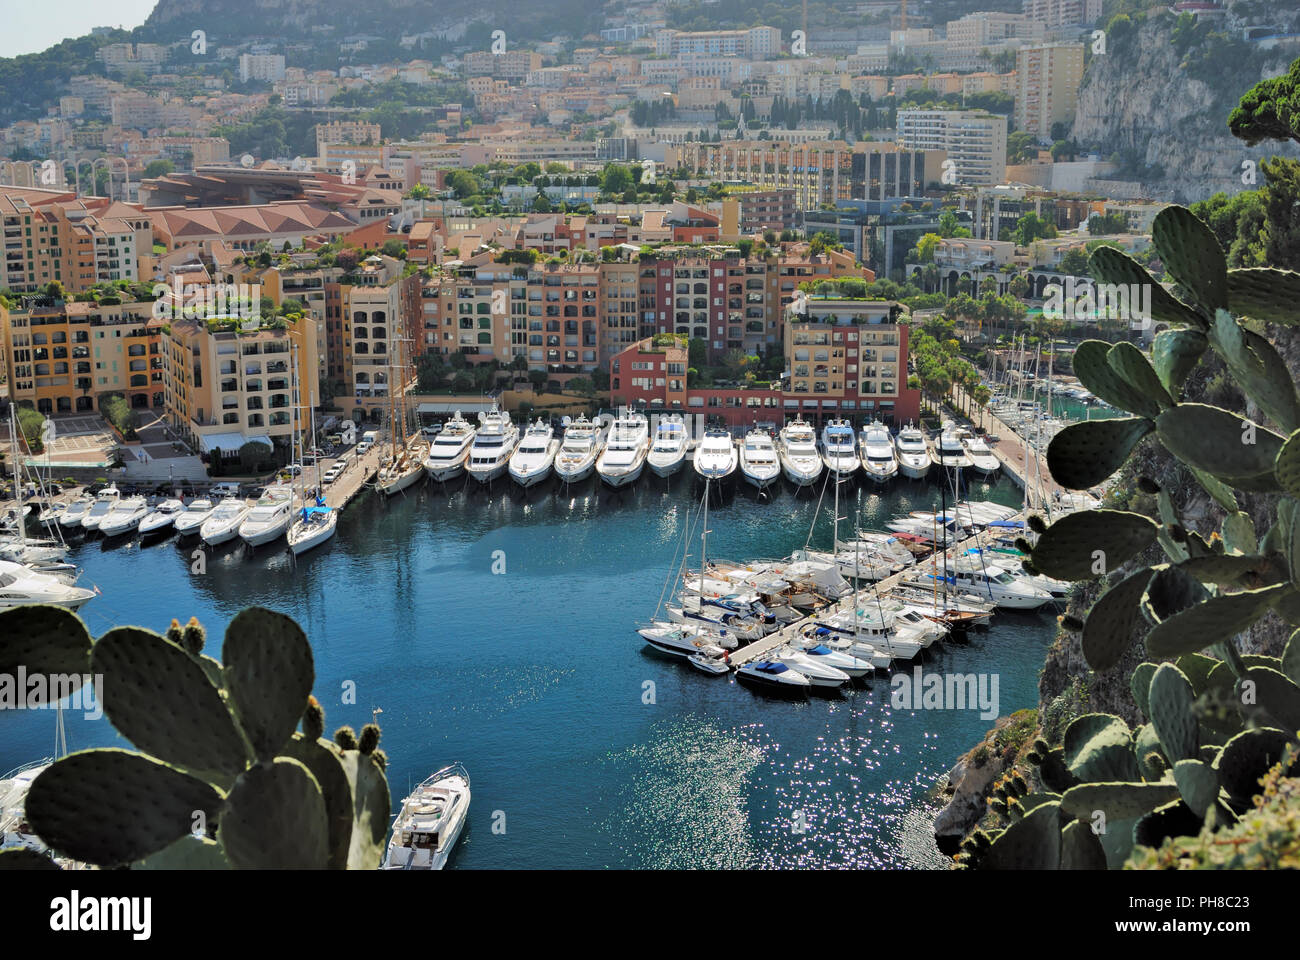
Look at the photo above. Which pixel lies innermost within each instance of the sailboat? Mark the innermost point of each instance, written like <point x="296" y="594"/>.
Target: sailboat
<point x="407" y="451"/>
<point x="315" y="523"/>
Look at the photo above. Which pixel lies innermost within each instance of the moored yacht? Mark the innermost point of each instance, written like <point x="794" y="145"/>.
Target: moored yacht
<point x="191" y="518"/>
<point x="162" y="519"/>
<point x="269" y="518"/>
<point x="878" y="459"/>
<point x="489" y="455"/>
<point x="839" y="451"/>
<point x="75" y="512"/>
<point x="758" y="459"/>
<point x="450" y="449"/>
<point x="913" y="453"/>
<point x="223" y="523"/>
<point x="774" y="675"/>
<point x="312" y="527"/>
<point x="124" y="517"/>
<point x="715" y="457"/>
<point x="796" y="445"/>
<point x="532" y="460"/>
<point x="582" y="444"/>
<point x="430" y="821"/>
<point x="983" y="462"/>
<point x="105" y="501"/>
<point x="949" y="452"/>
<point x="620" y="463"/>
<point x="668" y="452"/>
<point x="21" y="585"/>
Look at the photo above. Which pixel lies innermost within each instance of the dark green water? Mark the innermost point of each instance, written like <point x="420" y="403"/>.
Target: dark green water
<point x="535" y="680"/>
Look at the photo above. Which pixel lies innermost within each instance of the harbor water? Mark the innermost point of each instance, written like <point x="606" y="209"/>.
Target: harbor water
<point x="496" y="628"/>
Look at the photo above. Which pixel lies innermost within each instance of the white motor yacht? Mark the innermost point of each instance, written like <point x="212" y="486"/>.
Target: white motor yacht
<point x="842" y="660"/>
<point x="430" y="821"/>
<point x="105" y="501"/>
<point x="269" y="518"/>
<point x="679" y="640"/>
<point x="774" y="675"/>
<point x="878" y="459"/>
<point x="983" y="462"/>
<point x="125" y="517"/>
<point x="715" y="457"/>
<point x="190" y="519"/>
<point x="311" y="527"/>
<point x="913" y="453"/>
<point x="223" y="523"/>
<point x="489" y="455"/>
<point x="759" y="463"/>
<point x="450" y="449"/>
<point x="668" y="452"/>
<point x="532" y="460"/>
<point x="949" y="451"/>
<point x="75" y="512"/>
<point x="624" y="456"/>
<point x="582" y="444"/>
<point x="816" y="669"/>
<point x="21" y="585"/>
<point x="839" y="450"/>
<point x="163" y="517"/>
<point x="994" y="582"/>
<point x="796" y="445"/>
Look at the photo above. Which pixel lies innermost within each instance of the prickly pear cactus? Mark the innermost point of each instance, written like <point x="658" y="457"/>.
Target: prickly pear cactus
<point x="221" y="778"/>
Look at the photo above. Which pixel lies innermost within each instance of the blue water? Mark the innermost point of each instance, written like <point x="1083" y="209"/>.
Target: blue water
<point x="585" y="749"/>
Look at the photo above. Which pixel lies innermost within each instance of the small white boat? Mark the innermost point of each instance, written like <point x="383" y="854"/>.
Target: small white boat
<point x="839" y="450"/>
<point x="839" y="659"/>
<point x="450" y="449"/>
<point x="759" y="463"/>
<point x="430" y="821"/>
<point x="816" y="669"/>
<point x="532" y="460"/>
<point x="163" y="517"/>
<point x="774" y="675"/>
<point x="624" y="456"/>
<point x="21" y="585"/>
<point x="269" y="518"/>
<point x="312" y="527"/>
<point x="51" y="514"/>
<point x="796" y="445"/>
<point x="105" y="501"/>
<point x="223" y="524"/>
<point x="668" y="452"/>
<point x="75" y="512"/>
<point x="715" y="457"/>
<point x="678" y="640"/>
<point x="582" y="444"/>
<point x="950" y="452"/>
<point x="982" y="459"/>
<point x="190" y="519"/>
<point x="125" y="517"/>
<point x="707" y="664"/>
<point x="913" y="453"/>
<point x="495" y="442"/>
<point x="878" y="458"/>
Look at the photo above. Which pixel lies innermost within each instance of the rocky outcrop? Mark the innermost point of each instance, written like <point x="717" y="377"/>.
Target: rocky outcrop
<point x="1165" y="114"/>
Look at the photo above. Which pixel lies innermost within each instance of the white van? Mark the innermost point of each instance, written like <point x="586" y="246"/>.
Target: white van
<point x="227" y="488"/>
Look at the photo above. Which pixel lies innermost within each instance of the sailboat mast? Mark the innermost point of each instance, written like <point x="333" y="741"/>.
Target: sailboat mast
<point x="18" y="480"/>
<point x="704" y="539"/>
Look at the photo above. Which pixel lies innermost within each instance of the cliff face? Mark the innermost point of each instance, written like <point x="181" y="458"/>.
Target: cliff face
<point x="1164" y="108"/>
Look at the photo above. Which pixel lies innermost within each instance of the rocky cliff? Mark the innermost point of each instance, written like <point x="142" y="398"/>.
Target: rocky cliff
<point x="1160" y="96"/>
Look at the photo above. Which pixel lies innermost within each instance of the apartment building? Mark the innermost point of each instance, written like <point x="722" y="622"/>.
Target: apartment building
<point x="1063" y="13"/>
<point x="267" y="67"/>
<point x="755" y="211"/>
<point x="1048" y="76"/>
<point x="651" y="373"/>
<point x="346" y="131"/>
<point x="126" y="58"/>
<point x="818" y="172"/>
<point x="61" y="356"/>
<point x="513" y="65"/>
<point x="225" y="386"/>
<point x="756" y="43"/>
<point x="51" y="236"/>
<point x="974" y="140"/>
<point x="981" y="29"/>
<point x="380" y="341"/>
<point x="848" y="358"/>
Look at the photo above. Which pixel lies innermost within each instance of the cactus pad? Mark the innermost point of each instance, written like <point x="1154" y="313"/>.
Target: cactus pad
<point x="1174" y="354"/>
<point x="1192" y="255"/>
<point x="1139" y="684"/>
<point x="1129" y="363"/>
<point x="275" y="819"/>
<point x="1277" y="695"/>
<point x="1031" y="843"/>
<point x="1084" y="454"/>
<point x="1092" y="367"/>
<point x="322" y="759"/>
<point x="1258" y="368"/>
<point x="1173" y="819"/>
<point x="1198" y="783"/>
<point x="267" y="664"/>
<point x="1108" y="628"/>
<point x="25" y="858"/>
<point x="1239" y="529"/>
<point x="372" y="808"/>
<point x="1080" y="848"/>
<point x="1170" y="702"/>
<point x="1099" y="746"/>
<point x="1170" y="591"/>
<point x="1247" y="757"/>
<point x="188" y="853"/>
<point x="1291" y="657"/>
<point x="1210" y="622"/>
<point x="1215" y="440"/>
<point x="44" y="639"/>
<point x="1196" y="667"/>
<point x="1287" y="465"/>
<point x="1109" y="265"/>
<point x="1151" y="761"/>
<point x="112" y="807"/>
<point x="159" y="698"/>
<point x="1265" y="294"/>
<point x="1068" y="550"/>
<point x="1117" y="800"/>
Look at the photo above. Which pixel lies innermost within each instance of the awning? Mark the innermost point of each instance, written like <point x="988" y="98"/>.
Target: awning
<point x="229" y="441"/>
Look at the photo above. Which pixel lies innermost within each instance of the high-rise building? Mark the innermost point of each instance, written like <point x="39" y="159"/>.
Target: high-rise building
<point x="1063" y="13"/>
<point x="1048" y="76"/>
<point x="974" y="140"/>
<point x="261" y="66"/>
